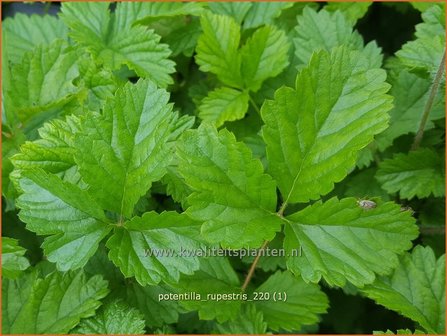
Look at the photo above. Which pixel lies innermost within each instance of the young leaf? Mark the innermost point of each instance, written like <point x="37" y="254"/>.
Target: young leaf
<point x="264" y="55"/>
<point x="114" y="317"/>
<point x="217" y="48"/>
<point x="299" y="305"/>
<point x="323" y="30"/>
<point x="223" y="104"/>
<point x="74" y="221"/>
<point x="215" y="277"/>
<point x="341" y="241"/>
<point x="150" y="247"/>
<point x="263" y="13"/>
<point x="416" y="289"/>
<point x="114" y="44"/>
<point x="13" y="261"/>
<point x="23" y="33"/>
<point x="314" y="132"/>
<point x="249" y="321"/>
<point x="53" y="305"/>
<point x="133" y="135"/>
<point x="231" y="194"/>
<point x="43" y="82"/>
<point x="418" y="173"/>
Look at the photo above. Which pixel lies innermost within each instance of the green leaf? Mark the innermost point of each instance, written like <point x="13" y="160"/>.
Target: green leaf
<point x="231" y="194"/>
<point x="74" y="221"/>
<point x="236" y="10"/>
<point x="176" y="186"/>
<point x="215" y="277"/>
<point x="264" y="55"/>
<point x="341" y="241"/>
<point x="152" y="11"/>
<point x="223" y="104"/>
<point x="353" y="11"/>
<point x="293" y="302"/>
<point x="42" y="84"/>
<point x="13" y="260"/>
<point x="114" y="317"/>
<point x="416" y="289"/>
<point x="419" y="173"/>
<point x="147" y="299"/>
<point x="133" y="135"/>
<point x="115" y="44"/>
<point x="410" y="94"/>
<point x="217" y="48"/>
<point x="323" y="30"/>
<point x="314" y="132"/>
<point x="248" y="321"/>
<point x="183" y="40"/>
<point x="152" y="247"/>
<point x="263" y="13"/>
<point x="54" y="151"/>
<point x="22" y="33"/>
<point x="53" y="305"/>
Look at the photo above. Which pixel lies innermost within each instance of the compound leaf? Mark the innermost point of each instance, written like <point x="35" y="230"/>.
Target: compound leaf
<point x="224" y="104"/>
<point x="13" y="260"/>
<point x="418" y="173"/>
<point x="74" y="221"/>
<point x="316" y="130"/>
<point x="341" y="241"/>
<point x="217" y="48"/>
<point x="53" y="305"/>
<point x="415" y="289"/>
<point x="264" y="55"/>
<point x="151" y="247"/>
<point x="299" y="303"/>
<point x="133" y="135"/>
<point x="231" y="194"/>
<point x="114" y="317"/>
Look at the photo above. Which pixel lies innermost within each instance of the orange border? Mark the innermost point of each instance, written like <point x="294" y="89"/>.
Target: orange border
<point x="1" y="159"/>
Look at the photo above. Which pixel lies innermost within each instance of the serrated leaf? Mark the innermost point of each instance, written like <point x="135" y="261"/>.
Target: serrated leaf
<point x="223" y="104"/>
<point x="215" y="277"/>
<point x="415" y="289"/>
<point x="264" y="55"/>
<point x="114" y="317"/>
<point x="231" y="194"/>
<point x="249" y="321"/>
<point x="217" y="48"/>
<point x="42" y="84"/>
<point x="297" y="302"/>
<point x="176" y="186"/>
<point x="115" y="43"/>
<point x="147" y="299"/>
<point x="53" y="305"/>
<point x="410" y="94"/>
<point x="236" y="10"/>
<point x="419" y="173"/>
<point x="151" y="247"/>
<point x="316" y="130"/>
<point x="13" y="260"/>
<point x="261" y="13"/>
<point x="153" y="11"/>
<point x="341" y="241"/>
<point x="323" y="30"/>
<point x="133" y="135"/>
<point x="74" y="221"/>
<point x="22" y="33"/>
<point x="183" y="40"/>
<point x="353" y="11"/>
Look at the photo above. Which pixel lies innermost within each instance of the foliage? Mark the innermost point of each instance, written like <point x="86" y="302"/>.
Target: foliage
<point x="140" y="138"/>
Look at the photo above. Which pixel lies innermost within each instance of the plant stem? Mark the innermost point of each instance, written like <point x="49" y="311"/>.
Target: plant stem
<point x="253" y="103"/>
<point x="251" y="271"/>
<point x="429" y="104"/>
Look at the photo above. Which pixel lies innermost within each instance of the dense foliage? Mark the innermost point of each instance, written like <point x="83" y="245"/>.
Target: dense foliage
<point x="131" y="128"/>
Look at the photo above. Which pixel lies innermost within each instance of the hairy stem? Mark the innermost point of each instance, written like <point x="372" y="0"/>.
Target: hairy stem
<point x="251" y="271"/>
<point x="429" y="104"/>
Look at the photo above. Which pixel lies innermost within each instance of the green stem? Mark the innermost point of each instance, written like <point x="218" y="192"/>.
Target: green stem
<point x="429" y="104"/>
<point x="253" y="103"/>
